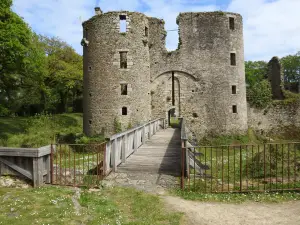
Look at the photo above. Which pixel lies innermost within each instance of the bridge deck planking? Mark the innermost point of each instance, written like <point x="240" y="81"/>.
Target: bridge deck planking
<point x="159" y="155"/>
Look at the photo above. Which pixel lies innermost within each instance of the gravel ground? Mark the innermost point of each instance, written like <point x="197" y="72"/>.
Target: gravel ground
<point x="205" y="213"/>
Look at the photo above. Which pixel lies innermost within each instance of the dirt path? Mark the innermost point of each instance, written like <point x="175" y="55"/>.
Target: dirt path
<point x="202" y="213"/>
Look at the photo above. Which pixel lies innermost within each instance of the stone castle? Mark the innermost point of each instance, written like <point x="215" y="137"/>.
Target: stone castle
<point x="131" y="78"/>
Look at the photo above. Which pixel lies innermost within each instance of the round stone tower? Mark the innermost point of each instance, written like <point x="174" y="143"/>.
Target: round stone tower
<point x="116" y="72"/>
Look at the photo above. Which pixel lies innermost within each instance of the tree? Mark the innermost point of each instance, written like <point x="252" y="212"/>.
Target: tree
<point x="63" y="83"/>
<point x="20" y="60"/>
<point x="255" y="71"/>
<point x="260" y="94"/>
<point x="291" y="68"/>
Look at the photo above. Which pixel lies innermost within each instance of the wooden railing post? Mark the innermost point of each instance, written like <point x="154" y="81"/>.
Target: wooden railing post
<point x="144" y="135"/>
<point x="149" y="133"/>
<point x="113" y="154"/>
<point x="37" y="175"/>
<point x="135" y="140"/>
<point x="124" y="148"/>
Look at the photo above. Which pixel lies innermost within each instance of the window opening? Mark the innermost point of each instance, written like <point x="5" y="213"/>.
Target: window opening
<point x="234" y="109"/>
<point x="146" y="31"/>
<point x="123" y="89"/>
<point x="232" y="59"/>
<point x="233" y="88"/>
<point x="123" y="24"/>
<point x="123" y="60"/>
<point x="124" y="111"/>
<point x="231" y="23"/>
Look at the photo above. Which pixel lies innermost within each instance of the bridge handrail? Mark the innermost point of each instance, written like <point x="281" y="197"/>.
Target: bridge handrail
<point x="120" y="146"/>
<point x="133" y="129"/>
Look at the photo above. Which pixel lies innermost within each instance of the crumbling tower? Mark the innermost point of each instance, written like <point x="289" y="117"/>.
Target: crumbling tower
<point x="116" y="71"/>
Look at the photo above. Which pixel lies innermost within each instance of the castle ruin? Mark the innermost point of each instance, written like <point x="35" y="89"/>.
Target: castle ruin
<point x="130" y="77"/>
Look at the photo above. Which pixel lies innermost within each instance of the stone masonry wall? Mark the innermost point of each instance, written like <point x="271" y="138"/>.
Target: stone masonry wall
<point x="103" y="76"/>
<point x="274" y="118"/>
<point x="202" y="68"/>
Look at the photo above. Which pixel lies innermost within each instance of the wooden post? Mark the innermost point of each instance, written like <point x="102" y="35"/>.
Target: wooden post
<point x="149" y="133"/>
<point x="37" y="175"/>
<point x="124" y="148"/>
<point x="113" y="155"/>
<point x="135" y="140"/>
<point x="48" y="169"/>
<point x="144" y="135"/>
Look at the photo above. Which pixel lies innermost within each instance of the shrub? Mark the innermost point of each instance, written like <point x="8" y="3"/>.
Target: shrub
<point x="260" y="94"/>
<point x="117" y="126"/>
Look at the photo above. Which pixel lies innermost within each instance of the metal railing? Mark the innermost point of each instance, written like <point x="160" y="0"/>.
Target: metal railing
<point x="240" y="168"/>
<point x="78" y="164"/>
<point x="244" y="168"/>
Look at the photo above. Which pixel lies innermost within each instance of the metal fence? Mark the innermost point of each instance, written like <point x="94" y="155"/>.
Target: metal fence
<point x="241" y="168"/>
<point x="78" y="164"/>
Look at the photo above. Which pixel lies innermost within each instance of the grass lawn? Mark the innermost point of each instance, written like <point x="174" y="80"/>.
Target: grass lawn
<point x="39" y="130"/>
<point x="270" y="197"/>
<point x="54" y="205"/>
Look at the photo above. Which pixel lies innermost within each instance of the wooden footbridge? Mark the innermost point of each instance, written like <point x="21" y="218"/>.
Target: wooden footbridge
<point x="150" y="148"/>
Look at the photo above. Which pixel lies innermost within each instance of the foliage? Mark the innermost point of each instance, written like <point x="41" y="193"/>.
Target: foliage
<point x="117" y="126"/>
<point x="255" y="71"/>
<point x="291" y="68"/>
<point x="129" y="126"/>
<point x="249" y="138"/>
<point x="39" y="130"/>
<point x="260" y="94"/>
<point x="37" y="73"/>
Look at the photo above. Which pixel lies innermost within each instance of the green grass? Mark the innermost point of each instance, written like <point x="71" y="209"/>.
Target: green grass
<point x="40" y="130"/>
<point x="174" y="122"/>
<point x="53" y="205"/>
<point x="270" y="197"/>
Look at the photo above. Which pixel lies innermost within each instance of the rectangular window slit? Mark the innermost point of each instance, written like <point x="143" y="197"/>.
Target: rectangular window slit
<point x="233" y="89"/>
<point x="123" y="24"/>
<point x="123" y="89"/>
<point x="231" y="23"/>
<point x="232" y="59"/>
<point x="146" y="31"/>
<point x="123" y="60"/>
<point x="124" y="111"/>
<point x="234" y="109"/>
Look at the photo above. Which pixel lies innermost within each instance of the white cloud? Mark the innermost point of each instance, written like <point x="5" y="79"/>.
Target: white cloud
<point x="271" y="27"/>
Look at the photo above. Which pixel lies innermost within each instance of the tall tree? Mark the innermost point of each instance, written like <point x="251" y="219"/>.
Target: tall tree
<point x="291" y="68"/>
<point x="255" y="71"/>
<point x="15" y="42"/>
<point x="64" y="79"/>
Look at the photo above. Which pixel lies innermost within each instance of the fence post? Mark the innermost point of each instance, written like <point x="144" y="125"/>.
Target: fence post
<point x="113" y="155"/>
<point x="124" y="145"/>
<point x="183" y="149"/>
<point x="144" y="135"/>
<point x="149" y="133"/>
<point x="37" y="172"/>
<point x="135" y="140"/>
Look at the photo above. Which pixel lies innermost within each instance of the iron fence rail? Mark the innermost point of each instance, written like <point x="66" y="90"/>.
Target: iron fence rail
<point x="241" y="168"/>
<point x="77" y="164"/>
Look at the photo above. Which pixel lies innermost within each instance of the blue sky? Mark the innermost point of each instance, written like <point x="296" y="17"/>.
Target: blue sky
<point x="271" y="27"/>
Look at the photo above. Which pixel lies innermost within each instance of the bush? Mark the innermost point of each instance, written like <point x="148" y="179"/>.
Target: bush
<point x="260" y="94"/>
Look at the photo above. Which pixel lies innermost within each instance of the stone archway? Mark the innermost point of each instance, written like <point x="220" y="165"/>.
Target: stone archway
<point x="168" y="91"/>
